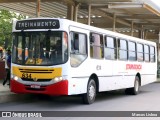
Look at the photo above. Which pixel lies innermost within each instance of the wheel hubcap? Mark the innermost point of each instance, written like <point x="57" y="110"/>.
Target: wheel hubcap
<point x="92" y="92"/>
<point x="136" y="85"/>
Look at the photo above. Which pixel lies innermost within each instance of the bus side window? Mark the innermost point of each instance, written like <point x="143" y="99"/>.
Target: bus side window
<point x="140" y="52"/>
<point x="122" y="49"/>
<point x="96" y="46"/>
<point x="110" y="48"/>
<point x="78" y="48"/>
<point x="132" y="51"/>
<point x="78" y="43"/>
<point x="74" y="42"/>
<point x="152" y="54"/>
<point x="146" y="53"/>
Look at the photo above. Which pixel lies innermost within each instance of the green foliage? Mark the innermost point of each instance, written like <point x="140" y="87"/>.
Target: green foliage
<point x="6" y="18"/>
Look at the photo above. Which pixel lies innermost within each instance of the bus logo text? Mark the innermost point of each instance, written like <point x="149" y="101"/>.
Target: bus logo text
<point x="133" y="67"/>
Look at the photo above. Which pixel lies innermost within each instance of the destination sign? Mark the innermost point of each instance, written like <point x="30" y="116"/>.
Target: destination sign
<point x="37" y="24"/>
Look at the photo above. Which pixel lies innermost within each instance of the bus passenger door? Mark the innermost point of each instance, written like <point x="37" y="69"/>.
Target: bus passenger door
<point x="78" y="57"/>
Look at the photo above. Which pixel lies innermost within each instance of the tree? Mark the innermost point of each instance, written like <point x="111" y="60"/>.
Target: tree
<point x="6" y="18"/>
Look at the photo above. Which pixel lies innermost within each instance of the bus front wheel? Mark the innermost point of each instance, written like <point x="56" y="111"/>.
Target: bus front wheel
<point x="89" y="97"/>
<point x="134" y="90"/>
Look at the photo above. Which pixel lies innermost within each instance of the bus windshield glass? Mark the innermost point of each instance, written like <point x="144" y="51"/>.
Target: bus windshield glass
<point x="40" y="48"/>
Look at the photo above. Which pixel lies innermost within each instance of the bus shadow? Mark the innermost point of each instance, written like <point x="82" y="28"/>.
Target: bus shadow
<point x="117" y="94"/>
<point x="58" y="101"/>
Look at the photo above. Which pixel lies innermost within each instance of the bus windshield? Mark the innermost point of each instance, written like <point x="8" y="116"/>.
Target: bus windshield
<point x="40" y="48"/>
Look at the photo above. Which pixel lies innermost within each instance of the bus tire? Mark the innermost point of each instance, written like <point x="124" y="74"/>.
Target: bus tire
<point x="134" y="90"/>
<point x="89" y="97"/>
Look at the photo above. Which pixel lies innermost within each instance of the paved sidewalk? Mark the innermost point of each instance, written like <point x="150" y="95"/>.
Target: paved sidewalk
<point x="7" y="96"/>
<point x="3" y="88"/>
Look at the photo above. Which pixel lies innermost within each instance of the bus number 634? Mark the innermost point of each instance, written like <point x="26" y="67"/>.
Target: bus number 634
<point x="26" y="75"/>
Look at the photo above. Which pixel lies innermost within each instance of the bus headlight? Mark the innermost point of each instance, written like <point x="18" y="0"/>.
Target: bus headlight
<point x="14" y="77"/>
<point x="57" y="79"/>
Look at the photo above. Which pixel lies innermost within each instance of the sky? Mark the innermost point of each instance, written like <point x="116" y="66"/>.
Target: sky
<point x="157" y="2"/>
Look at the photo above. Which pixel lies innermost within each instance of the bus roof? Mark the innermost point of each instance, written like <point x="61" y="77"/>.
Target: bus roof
<point x="44" y="24"/>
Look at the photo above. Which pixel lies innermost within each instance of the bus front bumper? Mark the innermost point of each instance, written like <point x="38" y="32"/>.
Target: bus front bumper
<point x="59" y="88"/>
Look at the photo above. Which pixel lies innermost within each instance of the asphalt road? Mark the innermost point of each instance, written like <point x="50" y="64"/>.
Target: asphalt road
<point x="147" y="100"/>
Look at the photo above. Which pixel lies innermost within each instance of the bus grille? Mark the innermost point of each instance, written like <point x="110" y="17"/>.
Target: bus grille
<point x="38" y="80"/>
<point x="35" y="71"/>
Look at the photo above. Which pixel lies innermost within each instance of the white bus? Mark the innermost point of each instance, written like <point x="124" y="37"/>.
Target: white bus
<point x="62" y="57"/>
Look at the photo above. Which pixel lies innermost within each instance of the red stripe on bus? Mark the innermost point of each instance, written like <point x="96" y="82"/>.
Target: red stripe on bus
<point x="60" y="88"/>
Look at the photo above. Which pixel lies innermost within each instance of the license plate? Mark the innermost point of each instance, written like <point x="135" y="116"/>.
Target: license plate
<point x="35" y="86"/>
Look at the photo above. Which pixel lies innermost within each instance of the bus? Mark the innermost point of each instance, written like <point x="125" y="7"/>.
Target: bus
<point x="55" y="56"/>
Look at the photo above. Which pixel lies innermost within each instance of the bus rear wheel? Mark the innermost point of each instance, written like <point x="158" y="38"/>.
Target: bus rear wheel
<point x="89" y="97"/>
<point x="134" y="90"/>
